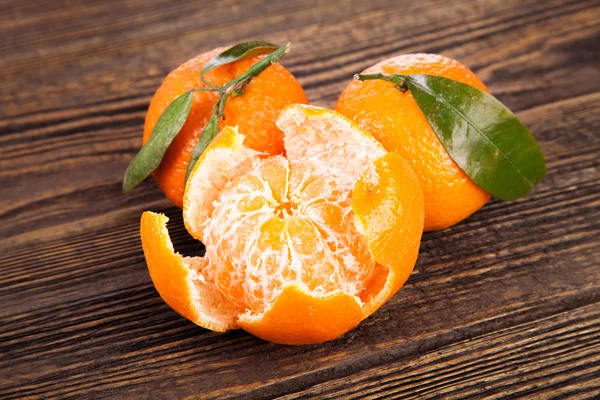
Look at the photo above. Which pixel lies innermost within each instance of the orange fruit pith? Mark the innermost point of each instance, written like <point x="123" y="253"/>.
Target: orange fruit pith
<point x="299" y="248"/>
<point x="395" y="120"/>
<point x="254" y="112"/>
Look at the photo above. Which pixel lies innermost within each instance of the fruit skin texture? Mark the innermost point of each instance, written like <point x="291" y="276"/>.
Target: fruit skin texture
<point x="394" y="119"/>
<point x="254" y="112"/>
<point x="298" y="318"/>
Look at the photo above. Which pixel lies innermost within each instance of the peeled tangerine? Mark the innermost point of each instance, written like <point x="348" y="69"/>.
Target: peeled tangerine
<point x="299" y="249"/>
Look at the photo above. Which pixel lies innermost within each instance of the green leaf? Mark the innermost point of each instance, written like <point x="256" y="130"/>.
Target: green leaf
<point x="485" y="139"/>
<point x="238" y="52"/>
<point x="208" y="134"/>
<point x="167" y="127"/>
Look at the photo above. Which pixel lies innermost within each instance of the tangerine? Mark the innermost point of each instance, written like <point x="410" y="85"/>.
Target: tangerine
<point x="395" y="120"/>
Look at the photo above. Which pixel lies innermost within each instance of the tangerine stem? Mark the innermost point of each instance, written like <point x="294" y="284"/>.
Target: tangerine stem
<point x="206" y="89"/>
<point x="398" y="80"/>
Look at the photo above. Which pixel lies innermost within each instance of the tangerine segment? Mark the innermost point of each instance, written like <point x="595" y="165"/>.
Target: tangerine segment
<point x="286" y="222"/>
<point x="184" y="283"/>
<point x="325" y="135"/>
<point x="228" y="156"/>
<point x="224" y="159"/>
<point x="395" y="120"/>
<point x="298" y="317"/>
<point x="388" y="206"/>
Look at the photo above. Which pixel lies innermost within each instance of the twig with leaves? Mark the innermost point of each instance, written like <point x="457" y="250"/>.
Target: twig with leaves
<point x="173" y="118"/>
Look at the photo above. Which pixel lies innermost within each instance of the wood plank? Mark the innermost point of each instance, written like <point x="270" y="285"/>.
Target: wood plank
<point x="487" y="38"/>
<point x="554" y="356"/>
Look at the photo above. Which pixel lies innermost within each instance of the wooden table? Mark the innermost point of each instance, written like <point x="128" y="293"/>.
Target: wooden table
<point x="506" y="303"/>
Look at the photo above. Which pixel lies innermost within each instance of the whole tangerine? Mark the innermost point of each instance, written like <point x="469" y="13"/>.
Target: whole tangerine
<point x="394" y="119"/>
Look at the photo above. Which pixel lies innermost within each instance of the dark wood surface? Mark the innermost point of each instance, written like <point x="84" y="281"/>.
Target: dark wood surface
<point x="505" y="304"/>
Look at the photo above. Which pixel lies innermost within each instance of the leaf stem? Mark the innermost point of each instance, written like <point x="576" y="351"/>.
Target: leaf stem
<point x="211" y="86"/>
<point x="206" y="89"/>
<point x="219" y="108"/>
<point x="399" y="80"/>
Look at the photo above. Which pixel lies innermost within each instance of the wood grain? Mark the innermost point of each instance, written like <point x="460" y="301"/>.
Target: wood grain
<point x="503" y="304"/>
<point x="557" y="355"/>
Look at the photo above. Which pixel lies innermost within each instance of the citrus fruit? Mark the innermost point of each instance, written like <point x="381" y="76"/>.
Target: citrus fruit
<point x="299" y="248"/>
<point x="254" y="112"/>
<point x="394" y="118"/>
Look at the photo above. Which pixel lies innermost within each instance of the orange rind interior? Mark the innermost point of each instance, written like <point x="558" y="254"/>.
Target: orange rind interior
<point x="299" y="249"/>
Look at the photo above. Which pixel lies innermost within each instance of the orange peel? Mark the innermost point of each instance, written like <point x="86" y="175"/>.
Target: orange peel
<point x="180" y="280"/>
<point x="299" y="249"/>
